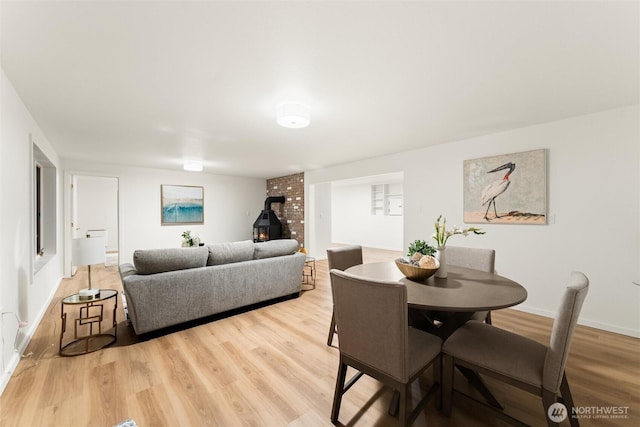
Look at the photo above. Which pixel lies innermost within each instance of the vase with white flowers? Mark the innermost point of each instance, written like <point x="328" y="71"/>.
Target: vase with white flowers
<point x="441" y="236"/>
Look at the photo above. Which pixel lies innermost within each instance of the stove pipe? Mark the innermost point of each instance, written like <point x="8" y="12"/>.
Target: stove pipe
<point x="274" y="199"/>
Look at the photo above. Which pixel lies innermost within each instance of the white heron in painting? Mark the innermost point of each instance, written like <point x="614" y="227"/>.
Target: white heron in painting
<point x="496" y="188"/>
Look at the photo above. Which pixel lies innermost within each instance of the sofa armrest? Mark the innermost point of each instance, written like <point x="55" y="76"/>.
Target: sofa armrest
<point x="127" y="270"/>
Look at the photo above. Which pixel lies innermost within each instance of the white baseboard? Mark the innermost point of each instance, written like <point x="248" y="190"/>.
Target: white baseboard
<point x="28" y="334"/>
<point x="6" y="374"/>
<point x="582" y="321"/>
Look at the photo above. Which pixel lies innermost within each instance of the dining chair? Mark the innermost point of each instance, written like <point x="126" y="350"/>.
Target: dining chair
<point x="375" y="339"/>
<point x="477" y="259"/>
<point x="518" y="360"/>
<point x="474" y="258"/>
<point x="341" y="258"/>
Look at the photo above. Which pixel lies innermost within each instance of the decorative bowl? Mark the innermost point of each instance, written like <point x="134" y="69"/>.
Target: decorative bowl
<point x="414" y="272"/>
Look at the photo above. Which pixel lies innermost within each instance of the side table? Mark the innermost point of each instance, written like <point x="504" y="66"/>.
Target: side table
<point x="88" y="335"/>
<point x="309" y="272"/>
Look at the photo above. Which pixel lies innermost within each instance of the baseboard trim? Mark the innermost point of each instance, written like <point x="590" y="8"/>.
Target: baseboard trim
<point x="28" y="334"/>
<point x="582" y="321"/>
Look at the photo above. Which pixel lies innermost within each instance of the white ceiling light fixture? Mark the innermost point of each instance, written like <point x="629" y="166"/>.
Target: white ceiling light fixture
<point x="193" y="166"/>
<point x="293" y="115"/>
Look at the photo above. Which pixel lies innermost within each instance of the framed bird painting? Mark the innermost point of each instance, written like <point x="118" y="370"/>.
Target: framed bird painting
<point x="506" y="189"/>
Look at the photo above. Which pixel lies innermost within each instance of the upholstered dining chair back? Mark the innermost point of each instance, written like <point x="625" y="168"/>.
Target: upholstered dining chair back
<point x="373" y="322"/>
<point x="477" y="259"/>
<point x="376" y="340"/>
<point x="342" y="258"/>
<point x="562" y="331"/>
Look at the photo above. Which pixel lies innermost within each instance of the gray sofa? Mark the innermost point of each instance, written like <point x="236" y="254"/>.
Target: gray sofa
<point x="166" y="287"/>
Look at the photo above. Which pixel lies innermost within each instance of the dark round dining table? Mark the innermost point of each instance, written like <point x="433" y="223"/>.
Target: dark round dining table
<point x="464" y="290"/>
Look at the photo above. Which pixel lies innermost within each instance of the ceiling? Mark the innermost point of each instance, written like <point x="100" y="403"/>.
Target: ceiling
<point x="152" y="84"/>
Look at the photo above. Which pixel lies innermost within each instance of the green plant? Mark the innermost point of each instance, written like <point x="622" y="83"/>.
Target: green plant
<point x="420" y="246"/>
<point x="188" y="239"/>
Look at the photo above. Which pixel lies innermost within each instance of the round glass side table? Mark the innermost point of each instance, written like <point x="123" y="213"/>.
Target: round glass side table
<point x="88" y="335"/>
<point x="309" y="272"/>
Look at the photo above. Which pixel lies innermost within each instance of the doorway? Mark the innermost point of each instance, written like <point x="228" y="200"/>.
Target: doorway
<point x="94" y="212"/>
<point x="366" y="210"/>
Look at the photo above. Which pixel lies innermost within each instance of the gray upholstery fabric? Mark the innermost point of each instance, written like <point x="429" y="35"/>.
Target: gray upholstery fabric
<point x="228" y="252"/>
<point x="563" y="326"/>
<point x="372" y="317"/>
<point x="273" y="248"/>
<point x="423" y="347"/>
<point x="477" y="259"/>
<point x="479" y="316"/>
<point x="152" y="261"/>
<point x="344" y="257"/>
<point x="127" y="270"/>
<point x="519" y="357"/>
<point x="498" y="350"/>
<point x="160" y="300"/>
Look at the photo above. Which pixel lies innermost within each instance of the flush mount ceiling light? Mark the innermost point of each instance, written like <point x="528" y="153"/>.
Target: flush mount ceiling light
<point x="193" y="166"/>
<point x="293" y="116"/>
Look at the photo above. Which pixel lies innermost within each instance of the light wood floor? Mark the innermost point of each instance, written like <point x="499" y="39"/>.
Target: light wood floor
<point x="271" y="367"/>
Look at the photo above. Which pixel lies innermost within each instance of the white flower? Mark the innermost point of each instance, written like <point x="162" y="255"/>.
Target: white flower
<point x="442" y="235"/>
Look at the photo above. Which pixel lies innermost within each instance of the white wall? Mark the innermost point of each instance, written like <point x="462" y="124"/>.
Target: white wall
<point x="21" y="291"/>
<point x="231" y="205"/>
<point x="319" y="218"/>
<point x="97" y="207"/>
<point x="353" y="223"/>
<point x="594" y="189"/>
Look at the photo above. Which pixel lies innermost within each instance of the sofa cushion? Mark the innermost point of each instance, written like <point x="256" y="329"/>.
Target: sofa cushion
<point x="229" y="252"/>
<point x="273" y="248"/>
<point x="151" y="261"/>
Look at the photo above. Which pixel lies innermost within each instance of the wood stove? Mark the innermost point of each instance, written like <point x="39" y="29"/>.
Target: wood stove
<point x="268" y="226"/>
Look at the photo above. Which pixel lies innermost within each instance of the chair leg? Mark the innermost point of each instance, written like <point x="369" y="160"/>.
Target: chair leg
<point x="337" y="396"/>
<point x="437" y="380"/>
<point x="402" y="418"/>
<point x="447" y="384"/>
<point x="477" y="382"/>
<point x="332" y="329"/>
<point x="393" y="405"/>
<point x="548" y="399"/>
<point x="488" y="318"/>
<point x="565" y="392"/>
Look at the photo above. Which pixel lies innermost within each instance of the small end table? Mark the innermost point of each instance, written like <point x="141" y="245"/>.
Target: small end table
<point x="309" y="272"/>
<point x="87" y="325"/>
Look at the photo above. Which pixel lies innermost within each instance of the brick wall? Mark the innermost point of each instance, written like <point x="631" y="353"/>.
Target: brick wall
<point x="291" y="212"/>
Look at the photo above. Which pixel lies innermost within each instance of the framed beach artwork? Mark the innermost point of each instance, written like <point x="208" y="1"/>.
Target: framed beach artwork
<point x="506" y="189"/>
<point x="182" y="204"/>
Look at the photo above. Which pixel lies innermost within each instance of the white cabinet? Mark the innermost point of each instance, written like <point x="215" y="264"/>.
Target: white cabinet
<point x="386" y="202"/>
